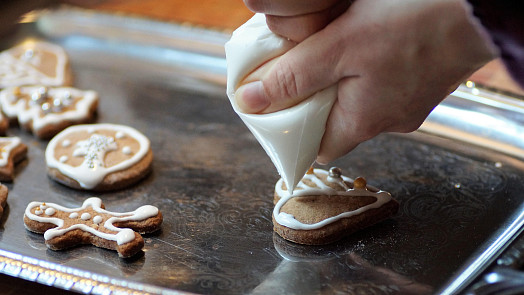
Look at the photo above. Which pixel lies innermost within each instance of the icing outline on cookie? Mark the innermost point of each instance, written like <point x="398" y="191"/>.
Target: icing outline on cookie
<point x="288" y="220"/>
<point x="24" y="70"/>
<point x="37" y="113"/>
<point x="87" y="175"/>
<point x="122" y="235"/>
<point x="13" y="142"/>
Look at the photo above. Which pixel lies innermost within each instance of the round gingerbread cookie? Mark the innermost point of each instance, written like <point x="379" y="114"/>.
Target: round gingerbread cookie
<point x="98" y="157"/>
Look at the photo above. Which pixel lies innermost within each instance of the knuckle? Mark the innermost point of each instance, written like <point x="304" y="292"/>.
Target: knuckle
<point x="286" y="79"/>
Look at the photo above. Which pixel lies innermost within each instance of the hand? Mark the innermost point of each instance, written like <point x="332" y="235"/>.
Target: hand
<point x="393" y="62"/>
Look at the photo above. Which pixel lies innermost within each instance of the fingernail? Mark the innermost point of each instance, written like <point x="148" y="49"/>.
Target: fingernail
<point x="251" y="97"/>
<point x="321" y="161"/>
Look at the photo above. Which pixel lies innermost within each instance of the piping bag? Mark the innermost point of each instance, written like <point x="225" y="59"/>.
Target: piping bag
<point x="291" y="137"/>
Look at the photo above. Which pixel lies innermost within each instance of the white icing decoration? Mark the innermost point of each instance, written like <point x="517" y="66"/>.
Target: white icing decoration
<point x="23" y="69"/>
<point x="126" y="150"/>
<point x="94" y="149"/>
<point x="66" y="143"/>
<point x="90" y="177"/>
<point x="85" y="216"/>
<point x="12" y="142"/>
<point x="31" y="113"/>
<point x="50" y="211"/>
<point x="39" y="212"/>
<point x="97" y="219"/>
<point x="73" y="215"/>
<point x="120" y="135"/>
<point x="288" y="220"/>
<point x="120" y="235"/>
<point x="291" y="137"/>
<point x="43" y="206"/>
<point x="63" y="159"/>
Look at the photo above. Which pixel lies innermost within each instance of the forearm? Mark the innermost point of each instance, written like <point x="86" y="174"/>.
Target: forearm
<point x="504" y="21"/>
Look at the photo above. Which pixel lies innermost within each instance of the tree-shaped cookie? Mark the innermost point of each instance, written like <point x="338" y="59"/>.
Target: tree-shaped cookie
<point x="45" y="111"/>
<point x="92" y="224"/>
<point x="34" y="63"/>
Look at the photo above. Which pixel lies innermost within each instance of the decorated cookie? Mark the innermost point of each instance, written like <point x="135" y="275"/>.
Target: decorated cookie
<point x="98" y="157"/>
<point x="34" y="63"/>
<point x="4" y="124"/>
<point x="92" y="224"/>
<point x="327" y="206"/>
<point x="3" y="198"/>
<point x="48" y="110"/>
<point x="12" y="151"/>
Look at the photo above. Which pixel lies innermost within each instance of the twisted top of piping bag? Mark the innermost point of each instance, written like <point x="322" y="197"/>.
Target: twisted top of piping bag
<point x="291" y="137"/>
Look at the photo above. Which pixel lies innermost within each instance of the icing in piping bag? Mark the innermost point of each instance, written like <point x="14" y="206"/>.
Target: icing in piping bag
<point x="291" y="137"/>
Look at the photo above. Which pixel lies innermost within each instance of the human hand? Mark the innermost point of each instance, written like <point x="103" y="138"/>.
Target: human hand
<point x="393" y="62"/>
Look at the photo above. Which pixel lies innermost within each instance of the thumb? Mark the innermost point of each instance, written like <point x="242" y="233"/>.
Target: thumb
<point x="290" y="78"/>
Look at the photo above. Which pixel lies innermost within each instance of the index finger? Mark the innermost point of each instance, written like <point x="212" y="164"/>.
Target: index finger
<point x="288" y="7"/>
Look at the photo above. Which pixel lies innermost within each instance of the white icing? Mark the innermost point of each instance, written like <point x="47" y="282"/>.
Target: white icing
<point x="94" y="149"/>
<point x="50" y="211"/>
<point x="120" y="235"/>
<point x="120" y="135"/>
<point x="39" y="212"/>
<point x="28" y="112"/>
<point x="126" y="150"/>
<point x="290" y="137"/>
<point x="87" y="175"/>
<point x="63" y="159"/>
<point x="23" y="69"/>
<point x="85" y="216"/>
<point x="12" y="142"/>
<point x="66" y="143"/>
<point x="73" y="215"/>
<point x="321" y="188"/>
<point x="97" y="219"/>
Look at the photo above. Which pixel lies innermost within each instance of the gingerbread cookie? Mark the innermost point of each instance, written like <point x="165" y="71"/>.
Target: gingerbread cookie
<point x="34" y="63"/>
<point x="12" y="151"/>
<point x="45" y="111"/>
<point x="4" y="124"/>
<point x="3" y="198"/>
<point x="98" y="157"/>
<point x="327" y="206"/>
<point x="92" y="224"/>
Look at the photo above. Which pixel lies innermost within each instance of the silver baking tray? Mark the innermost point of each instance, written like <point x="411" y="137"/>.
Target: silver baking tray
<point x="459" y="180"/>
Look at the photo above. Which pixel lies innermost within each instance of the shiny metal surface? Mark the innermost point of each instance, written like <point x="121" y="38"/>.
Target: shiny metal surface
<point x="460" y="202"/>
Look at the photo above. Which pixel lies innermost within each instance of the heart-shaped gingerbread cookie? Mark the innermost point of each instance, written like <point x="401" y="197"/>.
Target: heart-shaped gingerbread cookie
<point x="327" y="206"/>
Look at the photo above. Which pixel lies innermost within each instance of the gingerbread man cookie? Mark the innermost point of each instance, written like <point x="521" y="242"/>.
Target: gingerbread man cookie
<point x="98" y="157"/>
<point x="34" y="63"/>
<point x="45" y="111"/>
<point x="12" y="151"/>
<point x="327" y="206"/>
<point x="92" y="224"/>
